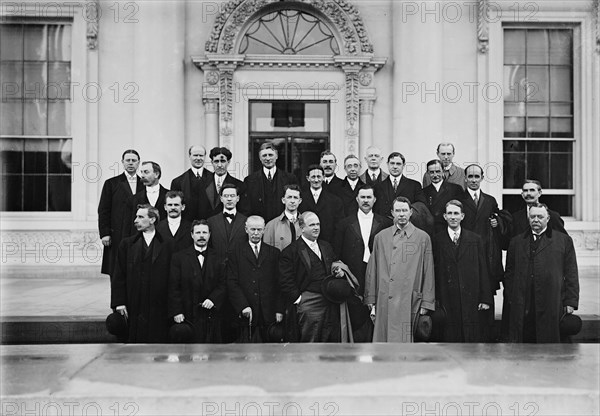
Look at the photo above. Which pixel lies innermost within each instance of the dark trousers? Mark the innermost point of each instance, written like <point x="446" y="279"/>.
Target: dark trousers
<point x="318" y="319"/>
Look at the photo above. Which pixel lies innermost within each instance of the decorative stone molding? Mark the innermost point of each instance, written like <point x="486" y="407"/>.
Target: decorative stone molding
<point x="366" y="106"/>
<point x="92" y="14"/>
<point x="597" y="24"/>
<point x="365" y="79"/>
<point x="483" y="30"/>
<point x="234" y="14"/>
<point x="212" y="77"/>
<point x="211" y="105"/>
<point x="585" y="240"/>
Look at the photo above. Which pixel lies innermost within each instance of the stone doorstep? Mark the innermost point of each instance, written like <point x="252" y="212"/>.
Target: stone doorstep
<point x="29" y="330"/>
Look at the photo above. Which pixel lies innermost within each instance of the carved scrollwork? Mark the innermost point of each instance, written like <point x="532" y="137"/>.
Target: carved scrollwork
<point x="483" y="38"/>
<point x="226" y="94"/>
<point x="91" y="12"/>
<point x="352" y="101"/>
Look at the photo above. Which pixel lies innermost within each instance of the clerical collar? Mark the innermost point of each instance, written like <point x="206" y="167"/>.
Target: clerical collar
<point x="273" y="170"/>
<point x="152" y="189"/>
<point x="365" y="216"/>
<point x="198" y="171"/>
<point x="438" y="185"/>
<point x="174" y="221"/>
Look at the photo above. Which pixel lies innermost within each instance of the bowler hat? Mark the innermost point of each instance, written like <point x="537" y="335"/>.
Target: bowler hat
<point x="116" y="324"/>
<point x="275" y="332"/>
<point x="181" y="333"/>
<point x="336" y="289"/>
<point x="570" y="324"/>
<point x="423" y="328"/>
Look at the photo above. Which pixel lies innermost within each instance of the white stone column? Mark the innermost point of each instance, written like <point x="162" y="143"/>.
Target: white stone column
<point x="366" y="126"/>
<point x="211" y="126"/>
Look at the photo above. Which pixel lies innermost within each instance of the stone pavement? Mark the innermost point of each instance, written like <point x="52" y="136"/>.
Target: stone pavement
<point x="292" y="379"/>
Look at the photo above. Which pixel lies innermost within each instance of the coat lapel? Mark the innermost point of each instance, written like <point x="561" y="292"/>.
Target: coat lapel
<point x="235" y="226"/>
<point x="211" y="193"/>
<point x="157" y="247"/>
<point x="304" y="254"/>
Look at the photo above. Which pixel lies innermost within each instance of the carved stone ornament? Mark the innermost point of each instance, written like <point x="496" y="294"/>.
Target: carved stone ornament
<point x="597" y="24"/>
<point x="212" y="77"/>
<point x="91" y="14"/>
<point x="226" y="91"/>
<point x="342" y="15"/>
<point x="226" y="131"/>
<point x="352" y="101"/>
<point x="365" y="79"/>
<point x="483" y="30"/>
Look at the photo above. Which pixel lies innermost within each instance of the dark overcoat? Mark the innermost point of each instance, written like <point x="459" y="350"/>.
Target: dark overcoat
<point x="344" y="191"/>
<point x="255" y="282"/>
<point x="436" y="202"/>
<point x="144" y="295"/>
<point x="215" y="199"/>
<point x="141" y="198"/>
<point x="197" y="204"/>
<point x="461" y="284"/>
<point x="219" y="239"/>
<point x="553" y="269"/>
<point x="384" y="192"/>
<point x="190" y="285"/>
<point x="114" y="216"/>
<point x="182" y="237"/>
<point x="253" y="201"/>
<point x="329" y="209"/>
<point x="520" y="222"/>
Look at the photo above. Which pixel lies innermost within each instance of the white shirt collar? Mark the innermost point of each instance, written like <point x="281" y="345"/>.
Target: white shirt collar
<point x="451" y="232"/>
<point x="473" y="193"/>
<point x="398" y="178"/>
<point x="272" y="170"/>
<point x="201" y="250"/>
<point x="316" y="193"/>
<point x="352" y="182"/>
<point x="131" y="178"/>
<point x="174" y="221"/>
<point x="254" y="244"/>
<point x="374" y="172"/>
<point x="438" y="185"/>
<point x="153" y="189"/>
<point x="362" y="215"/>
<point x="233" y="211"/>
<point x="288" y="215"/>
<point x="198" y="171"/>
<point x="308" y="242"/>
<point x="149" y="235"/>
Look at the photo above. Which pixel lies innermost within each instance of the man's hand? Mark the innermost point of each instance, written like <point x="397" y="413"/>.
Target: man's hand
<point x="298" y="300"/>
<point x="247" y="313"/>
<point x="122" y="309"/>
<point x="278" y="317"/>
<point x="106" y="240"/>
<point x="338" y="272"/>
<point x="208" y="304"/>
<point x="372" y="314"/>
<point x="483" y="307"/>
<point x="493" y="222"/>
<point x="179" y="318"/>
<point x="570" y="309"/>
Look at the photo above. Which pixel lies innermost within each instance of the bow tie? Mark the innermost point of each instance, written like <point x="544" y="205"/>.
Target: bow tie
<point x="228" y="215"/>
<point x="200" y="253"/>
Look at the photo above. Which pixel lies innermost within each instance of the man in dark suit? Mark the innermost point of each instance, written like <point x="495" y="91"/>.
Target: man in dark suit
<point x="326" y="205"/>
<point x="531" y="192"/>
<point x="264" y="188"/>
<point x="451" y="172"/>
<point x="347" y="189"/>
<point x="227" y="227"/>
<point x="193" y="183"/>
<point x="220" y="158"/>
<point x="329" y="164"/>
<point x="396" y="185"/>
<point x="353" y="243"/>
<point x="153" y="192"/>
<point x="303" y="266"/>
<point x="140" y="279"/>
<point x="174" y="226"/>
<point x="197" y="286"/>
<point x="374" y="174"/>
<point x="253" y="278"/>
<point x="438" y="193"/>
<point x="481" y="217"/>
<point x="462" y="287"/>
<point x="542" y="280"/>
<point x="114" y="208"/>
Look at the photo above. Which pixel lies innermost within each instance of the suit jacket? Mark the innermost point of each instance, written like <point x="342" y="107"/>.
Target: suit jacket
<point x="215" y="199"/>
<point x="457" y="177"/>
<point x="218" y="233"/>
<point x="334" y="183"/>
<point x="384" y="192"/>
<point x="255" y="282"/>
<point x="551" y="272"/>
<point x="114" y="216"/>
<point x="329" y="209"/>
<point x="294" y="267"/>
<point x="477" y="219"/>
<point x="349" y="246"/>
<point x="190" y="285"/>
<point x="253" y="201"/>
<point x="343" y="190"/>
<point x="197" y="203"/>
<point x="436" y="202"/>
<point x="369" y="181"/>
<point x="144" y="294"/>
<point x="461" y="284"/>
<point x="520" y="222"/>
<point x="142" y="198"/>
<point x="182" y="237"/>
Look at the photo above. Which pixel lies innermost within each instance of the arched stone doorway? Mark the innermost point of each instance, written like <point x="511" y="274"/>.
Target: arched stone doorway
<point x="278" y="52"/>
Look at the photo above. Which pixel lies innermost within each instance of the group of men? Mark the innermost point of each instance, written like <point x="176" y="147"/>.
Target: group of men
<point x="361" y="259"/>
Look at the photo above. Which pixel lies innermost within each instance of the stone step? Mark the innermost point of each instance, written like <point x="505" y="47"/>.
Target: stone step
<point x="87" y="330"/>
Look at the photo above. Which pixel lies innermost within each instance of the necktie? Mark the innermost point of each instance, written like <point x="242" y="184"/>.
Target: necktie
<point x="293" y="230"/>
<point x="198" y="175"/>
<point x="229" y="216"/>
<point x="200" y="256"/>
<point x="395" y="184"/>
<point x="455" y="239"/>
<point x="374" y="177"/>
<point x="315" y="247"/>
<point x="446" y="174"/>
<point x="199" y="253"/>
<point x="269" y="177"/>
<point x="218" y="185"/>
<point x="476" y="199"/>
<point x="256" y="250"/>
